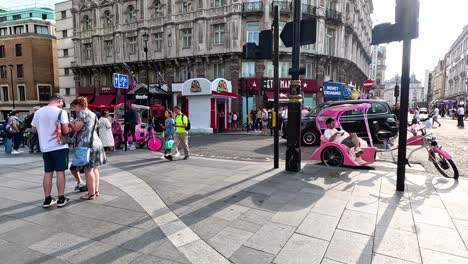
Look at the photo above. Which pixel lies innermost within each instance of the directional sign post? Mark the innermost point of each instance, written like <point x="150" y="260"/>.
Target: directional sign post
<point x="121" y="82"/>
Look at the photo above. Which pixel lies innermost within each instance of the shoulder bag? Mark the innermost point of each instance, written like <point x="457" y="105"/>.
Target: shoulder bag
<point x="83" y="154"/>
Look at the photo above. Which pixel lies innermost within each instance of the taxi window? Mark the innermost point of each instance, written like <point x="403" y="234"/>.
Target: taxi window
<point x="378" y="108"/>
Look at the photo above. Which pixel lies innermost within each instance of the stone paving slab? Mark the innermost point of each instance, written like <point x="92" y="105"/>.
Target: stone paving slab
<point x="220" y="211"/>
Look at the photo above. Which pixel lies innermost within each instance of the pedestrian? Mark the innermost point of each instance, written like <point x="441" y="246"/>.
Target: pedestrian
<point x="258" y="120"/>
<point x="234" y="121"/>
<point x="14" y="128"/>
<point x="169" y="130"/>
<point x="85" y="125"/>
<point x="105" y="132"/>
<point x="264" y="122"/>
<point x="304" y="112"/>
<point x="50" y="123"/>
<point x="181" y="122"/>
<point x="435" y="117"/>
<point x="130" y="123"/>
<point x="461" y="115"/>
<point x="230" y="120"/>
<point x="416" y="116"/>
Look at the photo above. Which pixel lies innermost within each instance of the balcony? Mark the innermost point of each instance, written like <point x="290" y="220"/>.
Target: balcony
<point x="334" y="15"/>
<point x="252" y="7"/>
<point x="284" y="6"/>
<point x="309" y="10"/>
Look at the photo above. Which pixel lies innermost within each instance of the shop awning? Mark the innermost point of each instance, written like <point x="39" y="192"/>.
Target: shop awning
<point x="283" y="96"/>
<point x="119" y="100"/>
<point x="224" y="94"/>
<point x="103" y="100"/>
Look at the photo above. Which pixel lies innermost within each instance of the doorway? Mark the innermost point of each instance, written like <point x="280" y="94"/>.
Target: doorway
<point x="221" y="115"/>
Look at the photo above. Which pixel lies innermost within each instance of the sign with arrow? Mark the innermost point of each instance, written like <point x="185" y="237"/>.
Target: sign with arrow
<point x="308" y="32"/>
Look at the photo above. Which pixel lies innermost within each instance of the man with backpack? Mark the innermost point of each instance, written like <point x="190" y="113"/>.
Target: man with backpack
<point x="182" y="126"/>
<point x="14" y="128"/>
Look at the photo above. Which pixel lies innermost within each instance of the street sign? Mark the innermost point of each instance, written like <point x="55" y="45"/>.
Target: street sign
<point x="120" y="80"/>
<point x="347" y="92"/>
<point x="308" y="32"/>
<point x="332" y="90"/>
<point x="368" y="84"/>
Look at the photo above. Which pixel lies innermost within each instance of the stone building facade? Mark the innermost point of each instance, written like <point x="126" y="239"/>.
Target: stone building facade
<point x="456" y="69"/>
<point x="438" y="81"/>
<point x="204" y="38"/>
<point x="377" y="69"/>
<point x="27" y="47"/>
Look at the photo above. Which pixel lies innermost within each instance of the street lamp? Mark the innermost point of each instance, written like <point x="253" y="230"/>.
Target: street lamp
<point x="145" y="39"/>
<point x="12" y="89"/>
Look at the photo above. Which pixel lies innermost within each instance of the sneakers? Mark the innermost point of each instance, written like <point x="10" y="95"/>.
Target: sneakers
<point x="132" y="147"/>
<point x="49" y="201"/>
<point x="62" y="201"/>
<point x="81" y="188"/>
<point x="15" y="152"/>
<point x="168" y="157"/>
<point x="186" y="157"/>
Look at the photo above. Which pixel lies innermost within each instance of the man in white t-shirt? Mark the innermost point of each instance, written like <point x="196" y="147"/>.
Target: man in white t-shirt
<point x="342" y="137"/>
<point x="47" y="125"/>
<point x="435" y="116"/>
<point x="461" y="114"/>
<point x="304" y="112"/>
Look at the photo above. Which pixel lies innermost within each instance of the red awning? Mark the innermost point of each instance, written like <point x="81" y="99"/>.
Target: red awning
<point x="119" y="100"/>
<point x="103" y="100"/>
<point x="225" y="94"/>
<point x="283" y="95"/>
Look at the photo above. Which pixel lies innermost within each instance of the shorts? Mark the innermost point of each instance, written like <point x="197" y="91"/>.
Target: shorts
<point x="434" y="118"/>
<point x="348" y="142"/>
<point x="56" y="160"/>
<point x="75" y="168"/>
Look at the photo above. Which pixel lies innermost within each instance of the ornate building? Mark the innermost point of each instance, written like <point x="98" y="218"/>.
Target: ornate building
<point x="377" y="69"/>
<point x="204" y="38"/>
<point x="456" y="69"/>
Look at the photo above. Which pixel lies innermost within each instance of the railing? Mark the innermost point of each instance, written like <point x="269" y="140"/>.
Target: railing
<point x="252" y="7"/>
<point x="333" y="15"/>
<point x="309" y="10"/>
<point x="284" y="6"/>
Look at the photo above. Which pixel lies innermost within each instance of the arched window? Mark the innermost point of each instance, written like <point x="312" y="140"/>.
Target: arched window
<point x="131" y="14"/>
<point x="107" y="19"/>
<point x="86" y="23"/>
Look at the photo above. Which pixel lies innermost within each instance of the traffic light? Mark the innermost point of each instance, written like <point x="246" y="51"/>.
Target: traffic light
<point x="397" y="91"/>
<point x="264" y="82"/>
<point x="264" y="50"/>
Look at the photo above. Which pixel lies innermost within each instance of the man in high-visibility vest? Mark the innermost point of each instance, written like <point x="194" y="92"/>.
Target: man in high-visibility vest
<point x="181" y="134"/>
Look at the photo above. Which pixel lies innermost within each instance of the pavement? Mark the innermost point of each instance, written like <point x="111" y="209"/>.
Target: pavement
<point x="206" y="210"/>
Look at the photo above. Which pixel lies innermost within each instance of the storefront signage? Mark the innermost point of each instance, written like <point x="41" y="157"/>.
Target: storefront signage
<point x="332" y="90"/>
<point x="307" y="85"/>
<point x="141" y="97"/>
<point x="195" y="87"/>
<point x="107" y="90"/>
<point x="222" y="86"/>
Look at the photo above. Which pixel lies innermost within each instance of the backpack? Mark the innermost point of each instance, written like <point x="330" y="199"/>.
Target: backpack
<point x="188" y="123"/>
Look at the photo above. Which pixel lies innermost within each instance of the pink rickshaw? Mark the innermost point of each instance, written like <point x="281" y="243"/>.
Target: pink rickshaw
<point x="335" y="154"/>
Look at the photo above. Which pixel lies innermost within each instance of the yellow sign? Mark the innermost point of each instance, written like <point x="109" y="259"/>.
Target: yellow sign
<point x="355" y="94"/>
<point x="273" y="121"/>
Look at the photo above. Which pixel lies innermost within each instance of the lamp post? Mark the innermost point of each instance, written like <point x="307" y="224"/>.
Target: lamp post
<point x="12" y="89"/>
<point x="145" y="39"/>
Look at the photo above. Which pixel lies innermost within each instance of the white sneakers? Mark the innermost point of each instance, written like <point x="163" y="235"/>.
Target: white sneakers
<point x="15" y="152"/>
<point x="131" y="147"/>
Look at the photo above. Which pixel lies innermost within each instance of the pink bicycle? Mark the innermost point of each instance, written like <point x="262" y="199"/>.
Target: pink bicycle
<point x="441" y="159"/>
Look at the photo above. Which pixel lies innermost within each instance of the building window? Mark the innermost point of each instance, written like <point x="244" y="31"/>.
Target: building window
<point x="63" y="14"/>
<point x="284" y="69"/>
<point x="185" y="73"/>
<point x="253" y="30"/>
<point x="3" y="19"/>
<point x="67" y="91"/>
<point x="218" y="70"/>
<point x="186" y="7"/>
<point x="108" y="48"/>
<point x="3" y="31"/>
<point x="22" y="93"/>
<point x="86" y="23"/>
<point x="219" y="3"/>
<point x="158" y="42"/>
<point x="3" y="71"/>
<point x="18" y="30"/>
<point x="64" y="34"/>
<point x="5" y="93"/>
<point x="248" y="69"/>
<point x="2" y="51"/>
<point x="309" y="70"/>
<point x="16" y="17"/>
<point x="65" y="53"/>
<point x="330" y="47"/>
<point x="44" y="16"/>
<point x="131" y="14"/>
<point x="132" y="45"/>
<point x="67" y="71"/>
<point x="107" y="19"/>
<point x="218" y="33"/>
<point x="44" y="93"/>
<point x="87" y="51"/>
<point x="19" y="50"/>
<point x="19" y="71"/>
<point x="186" y="38"/>
<point x="41" y="30"/>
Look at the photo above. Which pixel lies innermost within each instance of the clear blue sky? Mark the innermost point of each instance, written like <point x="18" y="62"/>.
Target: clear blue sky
<point x="440" y="24"/>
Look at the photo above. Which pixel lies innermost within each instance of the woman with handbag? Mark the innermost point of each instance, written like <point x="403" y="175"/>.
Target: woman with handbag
<point x="89" y="153"/>
<point x="169" y="131"/>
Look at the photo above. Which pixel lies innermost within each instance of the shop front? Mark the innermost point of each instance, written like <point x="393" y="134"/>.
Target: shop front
<point x="208" y="104"/>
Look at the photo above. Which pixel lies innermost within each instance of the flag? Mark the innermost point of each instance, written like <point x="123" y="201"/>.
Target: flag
<point x="132" y="76"/>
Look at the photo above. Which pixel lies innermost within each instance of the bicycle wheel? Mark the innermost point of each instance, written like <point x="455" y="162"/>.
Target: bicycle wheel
<point x="154" y="144"/>
<point x="446" y="167"/>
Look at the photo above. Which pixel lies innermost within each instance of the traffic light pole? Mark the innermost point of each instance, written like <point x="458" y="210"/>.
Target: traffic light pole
<point x="404" y="98"/>
<point x="276" y="85"/>
<point x="293" y="150"/>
